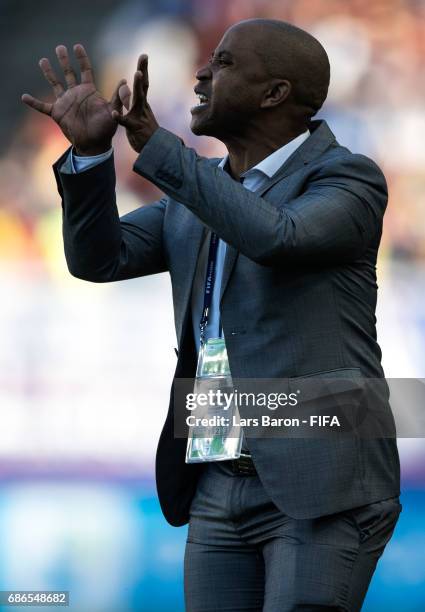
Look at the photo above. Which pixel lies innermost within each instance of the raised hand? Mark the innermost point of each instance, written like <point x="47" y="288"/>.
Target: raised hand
<point x="139" y="122"/>
<point x="81" y="112"/>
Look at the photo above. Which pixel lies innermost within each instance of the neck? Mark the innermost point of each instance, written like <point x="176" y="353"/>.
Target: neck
<point x="247" y="150"/>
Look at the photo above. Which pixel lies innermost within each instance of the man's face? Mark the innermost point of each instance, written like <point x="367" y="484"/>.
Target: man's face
<point x="231" y="86"/>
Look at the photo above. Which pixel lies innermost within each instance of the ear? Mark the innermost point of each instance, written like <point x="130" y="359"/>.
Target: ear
<point x="277" y="93"/>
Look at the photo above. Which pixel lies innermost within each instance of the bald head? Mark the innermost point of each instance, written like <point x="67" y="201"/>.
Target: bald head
<point x="263" y="82"/>
<point x="287" y="52"/>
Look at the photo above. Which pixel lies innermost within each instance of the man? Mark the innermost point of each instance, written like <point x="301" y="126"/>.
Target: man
<point x="295" y="523"/>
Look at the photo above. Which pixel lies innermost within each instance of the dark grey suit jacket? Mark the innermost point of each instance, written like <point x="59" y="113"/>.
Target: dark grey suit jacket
<point x="298" y="294"/>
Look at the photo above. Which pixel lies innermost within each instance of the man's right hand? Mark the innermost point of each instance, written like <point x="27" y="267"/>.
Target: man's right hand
<point x="81" y="112"/>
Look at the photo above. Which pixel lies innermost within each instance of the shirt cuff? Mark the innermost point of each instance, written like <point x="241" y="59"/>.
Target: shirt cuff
<point x="79" y="163"/>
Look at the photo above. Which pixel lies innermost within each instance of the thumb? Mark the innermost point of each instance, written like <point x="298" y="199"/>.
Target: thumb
<point x="125" y="95"/>
<point x="120" y="96"/>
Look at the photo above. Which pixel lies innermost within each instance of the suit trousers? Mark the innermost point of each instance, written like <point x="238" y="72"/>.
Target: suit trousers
<point x="244" y="554"/>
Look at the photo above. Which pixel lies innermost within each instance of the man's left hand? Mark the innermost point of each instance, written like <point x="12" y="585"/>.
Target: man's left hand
<point x="139" y="122"/>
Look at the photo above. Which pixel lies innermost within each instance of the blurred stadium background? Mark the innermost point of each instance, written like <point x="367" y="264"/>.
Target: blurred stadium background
<point x="85" y="369"/>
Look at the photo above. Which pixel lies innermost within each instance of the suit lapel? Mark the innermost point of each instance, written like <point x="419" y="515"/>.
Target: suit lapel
<point x="195" y="238"/>
<point x="321" y="138"/>
<point x="292" y="164"/>
<point x="229" y="264"/>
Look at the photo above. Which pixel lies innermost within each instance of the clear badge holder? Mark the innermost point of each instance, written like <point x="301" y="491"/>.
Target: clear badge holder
<point x="216" y="436"/>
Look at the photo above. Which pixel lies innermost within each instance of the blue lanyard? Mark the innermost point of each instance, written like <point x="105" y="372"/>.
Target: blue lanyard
<point x="209" y="284"/>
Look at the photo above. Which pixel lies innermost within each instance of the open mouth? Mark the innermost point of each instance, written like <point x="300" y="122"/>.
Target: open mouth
<point x="203" y="102"/>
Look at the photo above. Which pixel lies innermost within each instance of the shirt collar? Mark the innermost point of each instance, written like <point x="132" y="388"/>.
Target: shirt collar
<point x="271" y="164"/>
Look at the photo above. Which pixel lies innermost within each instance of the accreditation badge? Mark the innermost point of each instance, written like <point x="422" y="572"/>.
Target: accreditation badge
<point x="215" y="434"/>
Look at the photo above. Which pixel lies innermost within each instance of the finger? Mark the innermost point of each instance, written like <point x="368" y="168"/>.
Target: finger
<point x="51" y="77"/>
<point x="118" y="117"/>
<point x="63" y="58"/>
<point x="125" y="95"/>
<point x="139" y="98"/>
<point x="38" y="105"/>
<point x="84" y="63"/>
<point x="142" y="65"/>
<point x="118" y="99"/>
<point x="121" y="119"/>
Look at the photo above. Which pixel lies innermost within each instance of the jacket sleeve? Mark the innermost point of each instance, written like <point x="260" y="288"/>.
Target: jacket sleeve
<point x="336" y="218"/>
<point x="99" y="246"/>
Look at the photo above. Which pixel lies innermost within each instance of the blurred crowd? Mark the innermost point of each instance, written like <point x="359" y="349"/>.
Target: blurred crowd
<point x="375" y="106"/>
